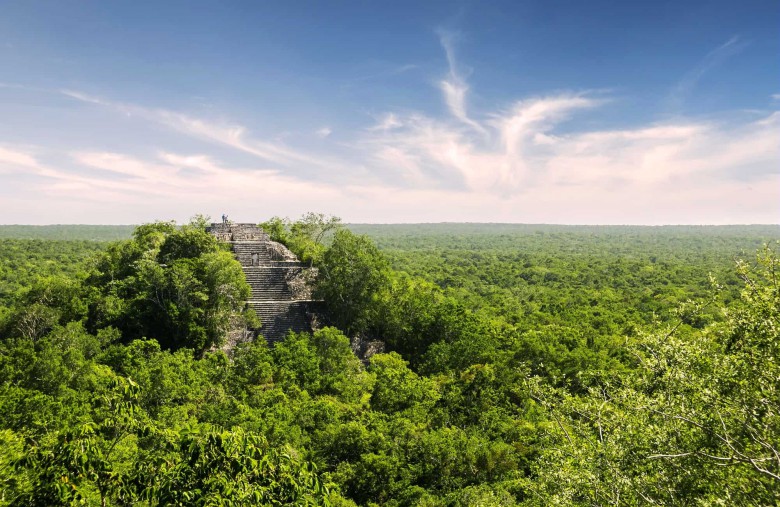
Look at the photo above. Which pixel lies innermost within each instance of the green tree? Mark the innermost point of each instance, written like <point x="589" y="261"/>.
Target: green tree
<point x="79" y="465"/>
<point x="305" y="237"/>
<point x="351" y="275"/>
<point x="234" y="468"/>
<point x="399" y="389"/>
<point x="174" y="284"/>
<point x="698" y="420"/>
<point x="342" y="373"/>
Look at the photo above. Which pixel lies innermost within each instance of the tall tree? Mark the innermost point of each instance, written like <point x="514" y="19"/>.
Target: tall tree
<point x="175" y="284"/>
<point x="306" y="237"/>
<point x="351" y="274"/>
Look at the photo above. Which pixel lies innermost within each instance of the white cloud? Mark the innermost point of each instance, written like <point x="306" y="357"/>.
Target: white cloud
<point x="497" y="161"/>
<point x="520" y="163"/>
<point x="454" y="85"/>
<point x="24" y="161"/>
<point x="711" y="60"/>
<point x="324" y="132"/>
<point x="387" y="122"/>
<point x="13" y="160"/>
<point x="517" y="153"/>
<point x="649" y="173"/>
<point x="231" y="135"/>
<point x="669" y="173"/>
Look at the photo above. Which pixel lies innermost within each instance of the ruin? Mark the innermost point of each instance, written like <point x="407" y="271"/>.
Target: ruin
<point x="281" y="284"/>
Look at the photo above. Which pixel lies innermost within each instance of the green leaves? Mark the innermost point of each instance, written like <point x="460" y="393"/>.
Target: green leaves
<point x="235" y="468"/>
<point x="306" y="237"/>
<point x="352" y="274"/>
<point x="533" y="375"/>
<point x="102" y="461"/>
<point x="79" y="465"/>
<point x="174" y="284"/>
<point x="399" y="389"/>
<point x="699" y="419"/>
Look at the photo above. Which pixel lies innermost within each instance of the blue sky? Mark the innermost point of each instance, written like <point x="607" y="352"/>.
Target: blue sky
<point x="543" y="111"/>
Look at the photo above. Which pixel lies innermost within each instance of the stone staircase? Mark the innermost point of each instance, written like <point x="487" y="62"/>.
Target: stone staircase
<point x="280" y="317"/>
<point x="281" y="289"/>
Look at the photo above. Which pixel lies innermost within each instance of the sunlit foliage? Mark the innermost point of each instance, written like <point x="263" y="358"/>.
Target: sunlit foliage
<point x="542" y="367"/>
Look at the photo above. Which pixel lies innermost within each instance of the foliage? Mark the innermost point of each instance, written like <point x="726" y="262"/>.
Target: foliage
<point x="352" y="273"/>
<point x="174" y="284"/>
<point x="699" y="418"/>
<point x="525" y="365"/>
<point x="69" y="233"/>
<point x="23" y="262"/>
<point x="233" y="468"/>
<point x="306" y="237"/>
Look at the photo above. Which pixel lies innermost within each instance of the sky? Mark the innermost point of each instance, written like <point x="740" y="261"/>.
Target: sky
<point x="568" y="112"/>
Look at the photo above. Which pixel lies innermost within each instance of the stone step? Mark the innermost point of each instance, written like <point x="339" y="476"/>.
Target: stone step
<point x="252" y="254"/>
<point x="270" y="282"/>
<point x="278" y="318"/>
<point x="272" y="272"/>
<point x="275" y="266"/>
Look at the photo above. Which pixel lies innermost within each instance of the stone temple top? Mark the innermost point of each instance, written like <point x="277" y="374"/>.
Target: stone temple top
<point x="281" y="284"/>
<point x="238" y="232"/>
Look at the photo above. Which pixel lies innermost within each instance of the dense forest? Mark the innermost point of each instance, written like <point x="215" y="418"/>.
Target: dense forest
<point x="523" y="365"/>
<point x="67" y="232"/>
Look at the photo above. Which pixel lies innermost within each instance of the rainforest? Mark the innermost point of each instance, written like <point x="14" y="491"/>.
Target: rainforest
<point x="526" y="365"/>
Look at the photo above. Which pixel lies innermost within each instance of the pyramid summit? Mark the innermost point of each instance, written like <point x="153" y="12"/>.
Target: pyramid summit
<point x="281" y="284"/>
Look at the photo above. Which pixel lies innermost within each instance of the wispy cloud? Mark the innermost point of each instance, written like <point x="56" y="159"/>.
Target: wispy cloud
<point x="520" y="161"/>
<point x="115" y="178"/>
<point x="25" y="161"/>
<point x="231" y="135"/>
<point x="682" y="90"/>
<point x="389" y="70"/>
<point x="388" y="121"/>
<point x="520" y="155"/>
<point x="324" y="132"/>
<point x="59" y="180"/>
<point x="524" y="152"/>
<point x="14" y="160"/>
<point x="500" y="158"/>
<point x="454" y="86"/>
